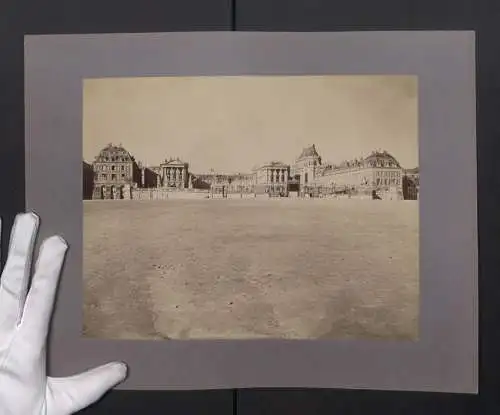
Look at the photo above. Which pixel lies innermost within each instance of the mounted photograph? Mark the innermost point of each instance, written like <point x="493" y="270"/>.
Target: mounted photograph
<point x="248" y="207"/>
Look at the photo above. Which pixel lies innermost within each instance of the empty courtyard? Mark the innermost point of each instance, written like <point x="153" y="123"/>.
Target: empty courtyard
<point x="251" y="268"/>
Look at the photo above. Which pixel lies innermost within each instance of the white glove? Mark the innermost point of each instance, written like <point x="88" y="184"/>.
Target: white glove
<point x="25" y="388"/>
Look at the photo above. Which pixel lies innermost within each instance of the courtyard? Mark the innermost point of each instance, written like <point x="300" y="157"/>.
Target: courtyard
<point x="251" y="268"/>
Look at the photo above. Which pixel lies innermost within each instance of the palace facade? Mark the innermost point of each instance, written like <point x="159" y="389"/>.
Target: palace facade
<point x="307" y="167"/>
<point x="379" y="172"/>
<point x="272" y="178"/>
<point x="115" y="173"/>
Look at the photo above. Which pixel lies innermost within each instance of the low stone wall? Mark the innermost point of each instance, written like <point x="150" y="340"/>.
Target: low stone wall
<point x="126" y="192"/>
<point x="163" y="194"/>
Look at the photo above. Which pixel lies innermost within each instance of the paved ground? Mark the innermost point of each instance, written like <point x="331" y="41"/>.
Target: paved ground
<point x="286" y="268"/>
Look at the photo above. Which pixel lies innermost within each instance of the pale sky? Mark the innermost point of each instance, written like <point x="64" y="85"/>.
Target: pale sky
<point x="233" y="123"/>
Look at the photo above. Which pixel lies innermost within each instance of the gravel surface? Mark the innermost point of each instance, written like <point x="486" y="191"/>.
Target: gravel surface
<point x="251" y="268"/>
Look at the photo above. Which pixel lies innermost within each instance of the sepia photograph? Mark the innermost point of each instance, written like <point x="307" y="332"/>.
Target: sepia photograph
<point x="251" y="207"/>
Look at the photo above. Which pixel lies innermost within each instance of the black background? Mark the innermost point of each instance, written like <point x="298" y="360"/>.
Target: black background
<point x="20" y="17"/>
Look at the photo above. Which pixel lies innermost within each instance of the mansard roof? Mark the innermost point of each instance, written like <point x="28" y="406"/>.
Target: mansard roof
<point x="308" y="152"/>
<point x="112" y="153"/>
<point x="383" y="157"/>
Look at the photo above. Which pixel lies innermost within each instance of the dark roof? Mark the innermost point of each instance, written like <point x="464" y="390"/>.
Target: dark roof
<point x="309" y="152"/>
<point x="381" y="156"/>
<point x="114" y="150"/>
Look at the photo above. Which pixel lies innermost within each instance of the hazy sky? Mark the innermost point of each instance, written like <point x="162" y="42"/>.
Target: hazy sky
<point x="233" y="123"/>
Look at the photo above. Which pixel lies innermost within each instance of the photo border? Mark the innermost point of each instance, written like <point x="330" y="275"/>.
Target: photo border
<point x="445" y="359"/>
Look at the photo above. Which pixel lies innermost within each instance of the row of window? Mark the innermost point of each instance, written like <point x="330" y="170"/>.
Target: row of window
<point x="105" y="176"/>
<point x="388" y="173"/>
<point x="114" y="157"/>
<point x="388" y="182"/>
<point x="110" y="168"/>
<point x="383" y="164"/>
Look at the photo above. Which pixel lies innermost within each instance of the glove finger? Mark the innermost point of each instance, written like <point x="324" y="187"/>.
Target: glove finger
<point x="40" y="300"/>
<point x="15" y="275"/>
<point x="71" y="394"/>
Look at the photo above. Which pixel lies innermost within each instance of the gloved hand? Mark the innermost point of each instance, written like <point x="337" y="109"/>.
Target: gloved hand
<point x="25" y="388"/>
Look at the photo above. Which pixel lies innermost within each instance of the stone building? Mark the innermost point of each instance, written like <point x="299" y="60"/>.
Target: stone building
<point x="174" y="173"/>
<point x="306" y="167"/>
<point x="115" y="173"/>
<point x="88" y="180"/>
<point x="411" y="183"/>
<point x="271" y="178"/>
<point x="379" y="172"/>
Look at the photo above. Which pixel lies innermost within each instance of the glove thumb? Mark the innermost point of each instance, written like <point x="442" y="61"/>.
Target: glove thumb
<point x="73" y="393"/>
